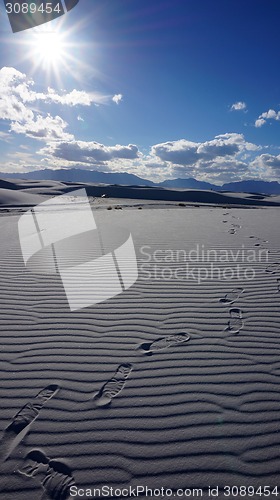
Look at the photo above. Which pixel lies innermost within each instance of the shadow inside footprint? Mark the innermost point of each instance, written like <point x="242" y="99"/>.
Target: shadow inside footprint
<point x="260" y="241"/>
<point x="235" y="322"/>
<point x="232" y="296"/>
<point x="235" y="312"/>
<point x="235" y="325"/>
<point x="55" y="476"/>
<point x="114" y="386"/>
<point x="163" y="343"/>
<point x="30" y="411"/>
<point x="19" y="426"/>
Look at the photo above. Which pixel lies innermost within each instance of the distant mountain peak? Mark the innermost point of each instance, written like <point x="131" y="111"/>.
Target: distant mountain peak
<point x="96" y="177"/>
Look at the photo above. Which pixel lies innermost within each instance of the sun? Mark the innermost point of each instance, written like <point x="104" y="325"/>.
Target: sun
<point x="53" y="51"/>
<point x="49" y="49"/>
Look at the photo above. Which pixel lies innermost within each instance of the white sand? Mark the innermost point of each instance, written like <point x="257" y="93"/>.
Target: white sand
<point x="185" y="412"/>
<point x="16" y="193"/>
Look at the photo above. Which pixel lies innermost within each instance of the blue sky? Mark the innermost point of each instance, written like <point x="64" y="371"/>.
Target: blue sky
<point x="181" y="88"/>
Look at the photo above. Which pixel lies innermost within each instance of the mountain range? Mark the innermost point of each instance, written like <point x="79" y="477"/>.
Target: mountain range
<point x="123" y="178"/>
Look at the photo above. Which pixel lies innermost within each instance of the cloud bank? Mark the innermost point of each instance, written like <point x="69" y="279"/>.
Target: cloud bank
<point x="225" y="157"/>
<point x="17" y="98"/>
<point x="90" y="152"/>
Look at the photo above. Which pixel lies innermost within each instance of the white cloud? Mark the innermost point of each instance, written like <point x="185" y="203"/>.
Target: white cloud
<point x="12" y="109"/>
<point x="90" y="152"/>
<point x="238" y="106"/>
<point x="19" y="161"/>
<point x="117" y="98"/>
<point x="271" y="114"/>
<point x="80" y="119"/>
<point x="48" y="129"/>
<point x="73" y="98"/>
<point x="181" y="152"/>
<point x="184" y="152"/>
<point x="266" y="161"/>
<point x="14" y="95"/>
<point x="224" y="158"/>
<point x="259" y="122"/>
<point x="217" y="171"/>
<point x="16" y="83"/>
<point x="17" y="96"/>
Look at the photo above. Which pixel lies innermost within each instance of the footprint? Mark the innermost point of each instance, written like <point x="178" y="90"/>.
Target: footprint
<point x="232" y="296"/>
<point x="235" y="322"/>
<point x="273" y="268"/>
<point x="163" y="343"/>
<point x="113" y="387"/>
<point x="260" y="240"/>
<point x="20" y="424"/>
<point x="55" y="476"/>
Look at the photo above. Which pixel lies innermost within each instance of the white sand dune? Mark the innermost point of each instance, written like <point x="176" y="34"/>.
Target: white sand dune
<point x="172" y="384"/>
<point x="11" y="198"/>
<point x="17" y="191"/>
